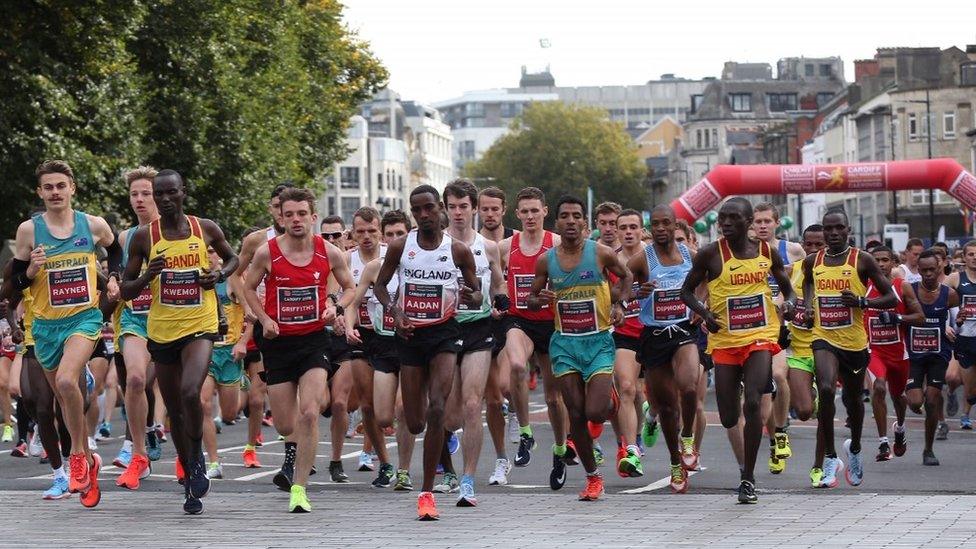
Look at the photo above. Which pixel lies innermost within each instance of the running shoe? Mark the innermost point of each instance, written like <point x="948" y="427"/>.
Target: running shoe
<point x="426" y="507"/>
<point x="91" y="496"/>
<point x="630" y="465"/>
<point x="747" y="492"/>
<point x="928" y="458"/>
<point x="403" y="483"/>
<point x="594" y="487"/>
<point x="649" y="433"/>
<point x="283" y="479"/>
<point x="524" y="454"/>
<point x="35" y="448"/>
<point x="689" y="457"/>
<point x="336" y="472"/>
<point x="448" y="484"/>
<point x="354" y="419"/>
<point x="89" y="381"/>
<point x="79" y="477"/>
<point x="466" y="496"/>
<point x="8" y="433"/>
<point x="965" y="423"/>
<point x="58" y="490"/>
<point x="832" y="467"/>
<point x="513" y="428"/>
<point x="267" y="420"/>
<point x="901" y="442"/>
<point x="816" y="477"/>
<point x="191" y="505"/>
<point x="571" y="457"/>
<point x="180" y="473"/>
<point x="952" y="404"/>
<point x="855" y="470"/>
<point x="104" y="431"/>
<point x="198" y="480"/>
<point x="298" y="502"/>
<point x="453" y="444"/>
<point x="215" y="470"/>
<point x="598" y="453"/>
<point x="942" y="431"/>
<point x="533" y="379"/>
<point x="596" y="429"/>
<point x="384" y="477"/>
<point x="365" y="462"/>
<point x="679" y="479"/>
<point x="259" y="440"/>
<point x="92" y="444"/>
<point x="884" y="452"/>
<point x="153" y="450"/>
<point x="250" y="456"/>
<point x="137" y="470"/>
<point x="502" y="468"/>
<point x="123" y="458"/>
<point x="43" y="459"/>
<point x="783" y="450"/>
<point x="776" y="465"/>
<point x="640" y="446"/>
<point x="20" y="450"/>
<point x="161" y="432"/>
<point x="557" y="476"/>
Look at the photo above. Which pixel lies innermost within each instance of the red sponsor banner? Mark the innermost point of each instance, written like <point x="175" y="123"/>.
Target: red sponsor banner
<point x="68" y="287"/>
<point x="700" y="198"/>
<point x="925" y="340"/>
<point x="964" y="189"/>
<point x="423" y="301"/>
<point x="746" y="313"/>
<point x="668" y="306"/>
<point x="853" y="177"/>
<point x="833" y="313"/>
<point x="180" y="288"/>
<point x="882" y="334"/>
<point x="298" y="305"/>
<point x="798" y="179"/>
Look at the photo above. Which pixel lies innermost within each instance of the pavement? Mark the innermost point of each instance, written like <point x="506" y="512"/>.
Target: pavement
<point x="900" y="503"/>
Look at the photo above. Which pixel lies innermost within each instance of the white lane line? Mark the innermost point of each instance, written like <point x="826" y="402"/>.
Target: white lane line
<point x="232" y="448"/>
<point x="658" y="484"/>
<point x="524" y="486"/>
<point x="255" y="476"/>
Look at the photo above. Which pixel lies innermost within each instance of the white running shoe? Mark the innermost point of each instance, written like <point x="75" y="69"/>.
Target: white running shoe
<point x="92" y="445"/>
<point x="216" y="470"/>
<point x="365" y="461"/>
<point x="36" y="448"/>
<point x="500" y="477"/>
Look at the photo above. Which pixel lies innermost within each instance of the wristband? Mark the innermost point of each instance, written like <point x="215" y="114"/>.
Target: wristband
<point x="862" y="302"/>
<point x="502" y="302"/>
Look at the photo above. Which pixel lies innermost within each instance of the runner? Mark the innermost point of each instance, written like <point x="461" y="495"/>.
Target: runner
<point x="930" y="347"/>
<point x="428" y="337"/>
<point x="908" y="270"/>
<point x="743" y="340"/>
<point x="964" y="282"/>
<point x="606" y="222"/>
<point x="182" y="321"/>
<point x="291" y="327"/>
<point x="55" y="257"/>
<point x="834" y="289"/>
<point x="582" y="348"/>
<point x="668" y="343"/>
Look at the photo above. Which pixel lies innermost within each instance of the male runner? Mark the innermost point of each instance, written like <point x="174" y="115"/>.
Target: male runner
<point x="668" y="343"/>
<point x="296" y="267"/>
<point x="427" y="262"/>
<point x="908" y="270"/>
<point x="964" y="282"/>
<point x="887" y="335"/>
<point x="743" y="322"/>
<point x="182" y="322"/>
<point x="930" y="348"/>
<point x="834" y="297"/>
<point x="582" y="348"/>
<point x="54" y="256"/>
<point x="528" y="331"/>
<point x="606" y="222"/>
<point x="474" y="359"/>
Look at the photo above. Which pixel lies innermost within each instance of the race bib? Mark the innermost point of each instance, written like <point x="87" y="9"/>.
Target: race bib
<point x="746" y="313"/>
<point x="140" y="305"/>
<point x="577" y="317"/>
<point x="833" y="313"/>
<point x="364" y="319"/>
<point x="423" y="301"/>
<point x="925" y="340"/>
<point x="773" y="285"/>
<point x="800" y="315"/>
<point x="68" y="287"/>
<point x="180" y="288"/>
<point x="667" y="305"/>
<point x="967" y="308"/>
<point x="389" y="323"/>
<point x="882" y="334"/>
<point x="298" y="305"/>
<point x="523" y="287"/>
<point x="633" y="306"/>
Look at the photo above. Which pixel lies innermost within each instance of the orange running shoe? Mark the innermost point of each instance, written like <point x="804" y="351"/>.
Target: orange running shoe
<point x="138" y="469"/>
<point x="594" y="487"/>
<point x="426" y="507"/>
<point x="259" y="440"/>
<point x="251" y="458"/>
<point x="621" y="454"/>
<point x="93" y="495"/>
<point x="180" y="474"/>
<point x="533" y="380"/>
<point x="596" y="429"/>
<point x="79" y="477"/>
<point x="679" y="479"/>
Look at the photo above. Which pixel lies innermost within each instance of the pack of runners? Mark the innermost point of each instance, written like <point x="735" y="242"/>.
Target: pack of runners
<point x="402" y="325"/>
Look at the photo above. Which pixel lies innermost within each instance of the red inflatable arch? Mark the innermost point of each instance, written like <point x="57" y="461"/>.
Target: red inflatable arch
<point x="725" y="180"/>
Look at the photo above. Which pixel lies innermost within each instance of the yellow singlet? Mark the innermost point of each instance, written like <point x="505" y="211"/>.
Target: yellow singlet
<point x="802" y="336"/>
<point x="742" y="301"/>
<point x="28" y="318"/>
<point x="65" y="285"/>
<point x="840" y="326"/>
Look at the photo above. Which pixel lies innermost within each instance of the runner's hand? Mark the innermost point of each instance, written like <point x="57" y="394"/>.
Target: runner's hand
<point x="37" y="259"/>
<point x="208" y="278"/>
<point x="711" y="324"/>
<point x="467" y="295"/>
<point x="617" y="314"/>
<point x="17" y="335"/>
<point x="112" y="289"/>
<point x="808" y="316"/>
<point x="404" y="328"/>
<point x="646" y="288"/>
<point x="156" y="266"/>
<point x="352" y="337"/>
<point x="950" y="334"/>
<point x="548" y="296"/>
<point x="239" y="350"/>
<point x="848" y="298"/>
<point x="787" y="310"/>
<point x="270" y="329"/>
<point x="338" y="324"/>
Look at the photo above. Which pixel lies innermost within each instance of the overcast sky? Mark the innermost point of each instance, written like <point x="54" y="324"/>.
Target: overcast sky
<point x="437" y="49"/>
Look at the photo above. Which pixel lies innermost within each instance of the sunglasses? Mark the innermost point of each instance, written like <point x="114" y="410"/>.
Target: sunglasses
<point x="332" y="236"/>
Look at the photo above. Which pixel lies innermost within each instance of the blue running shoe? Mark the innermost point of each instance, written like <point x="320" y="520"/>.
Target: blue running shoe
<point x="453" y="444"/>
<point x="153" y="450"/>
<point x="123" y="459"/>
<point x="58" y="490"/>
<point x="105" y="430"/>
<point x="855" y="471"/>
<point x="89" y="381"/>
<point x="965" y="423"/>
<point x="832" y="467"/>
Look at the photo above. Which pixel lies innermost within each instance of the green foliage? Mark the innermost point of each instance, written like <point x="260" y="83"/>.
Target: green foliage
<point x="562" y="149"/>
<point x="237" y="95"/>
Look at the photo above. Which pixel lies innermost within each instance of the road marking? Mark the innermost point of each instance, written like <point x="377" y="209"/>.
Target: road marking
<point x="658" y="484"/>
<point x="255" y="476"/>
<point x="525" y="486"/>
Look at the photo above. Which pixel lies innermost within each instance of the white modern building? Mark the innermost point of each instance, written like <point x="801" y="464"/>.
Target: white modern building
<point x="430" y="146"/>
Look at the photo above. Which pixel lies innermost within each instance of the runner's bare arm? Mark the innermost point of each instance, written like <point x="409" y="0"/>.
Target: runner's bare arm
<point x="953" y="298"/>
<point x="794" y="252"/>
<point x="340" y="272"/>
<point x="132" y="281"/>
<point x="808" y="293"/>
<point x="913" y="310"/>
<point x="495" y="264"/>
<point x="785" y="286"/>
<point x="504" y="249"/>
<point x="258" y="268"/>
<point x="389" y="268"/>
<point x="868" y="268"/>
<point x="471" y="292"/>
<point x="539" y="295"/>
<point x="249" y="246"/>
<point x="701" y="271"/>
<point x="365" y="280"/>
<point x="214" y="237"/>
<point x="608" y="260"/>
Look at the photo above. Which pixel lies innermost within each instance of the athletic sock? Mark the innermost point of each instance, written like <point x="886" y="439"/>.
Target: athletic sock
<point x="59" y="473"/>
<point x="882" y="440"/>
<point x="633" y="449"/>
<point x="127" y="445"/>
<point x="781" y="429"/>
<point x="831" y="455"/>
<point x="559" y="449"/>
<point x="527" y="430"/>
<point x="899" y="427"/>
<point x="249" y="447"/>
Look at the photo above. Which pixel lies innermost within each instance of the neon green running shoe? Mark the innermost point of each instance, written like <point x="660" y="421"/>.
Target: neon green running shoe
<point x="298" y="503"/>
<point x="598" y="453"/>
<point x="816" y="475"/>
<point x="630" y="465"/>
<point x="651" y="430"/>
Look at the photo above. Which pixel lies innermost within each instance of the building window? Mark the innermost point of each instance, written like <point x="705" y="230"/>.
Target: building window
<point x="715" y="137"/>
<point x="825" y="69"/>
<point x="379" y="181"/>
<point x="781" y="102"/>
<point x="349" y="177"/>
<point x="696" y="101"/>
<point x="740" y="102"/>
<point x="707" y="139"/>
<point x="349" y="207"/>
<point x="511" y="110"/>
<point x="920" y="197"/>
<point x="698" y="139"/>
<point x="400" y="182"/>
<point x="823" y="98"/>
<point x="967" y="74"/>
<point x="949" y="125"/>
<point x="912" y="127"/>
<point x="467" y="150"/>
<point x="474" y="109"/>
<point x="808" y="69"/>
<point x="928" y="122"/>
<point x="331" y="209"/>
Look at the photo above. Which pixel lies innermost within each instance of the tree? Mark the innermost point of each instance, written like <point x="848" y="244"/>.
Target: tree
<point x="563" y="149"/>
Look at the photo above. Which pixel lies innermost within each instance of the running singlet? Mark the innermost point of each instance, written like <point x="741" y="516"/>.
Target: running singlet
<point x="139" y="305"/>
<point x="632" y="325"/>
<point x="65" y="285"/>
<point x="521" y="273"/>
<point x="270" y="234"/>
<point x="582" y="295"/>
<point x="180" y="307"/>
<point x="784" y="258"/>
<point x="801" y="336"/>
<point x="295" y="297"/>
<point x="887" y="340"/>
<point x="428" y="282"/>
<point x="235" y="317"/>
<point x="742" y="301"/>
<point x="664" y="306"/>
<point x="470" y="313"/>
<point x="967" y="305"/>
<point x="911" y="277"/>
<point x="835" y="323"/>
<point x="381" y="320"/>
<point x="930" y="338"/>
<point x="357" y="266"/>
<point x="28" y="319"/>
